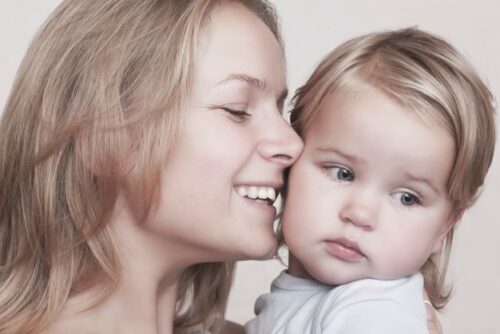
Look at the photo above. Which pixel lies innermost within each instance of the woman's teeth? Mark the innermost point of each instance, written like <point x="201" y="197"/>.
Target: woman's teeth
<point x="253" y="192"/>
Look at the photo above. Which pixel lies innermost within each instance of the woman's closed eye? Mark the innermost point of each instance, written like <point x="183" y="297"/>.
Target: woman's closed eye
<point x="339" y="173"/>
<point x="237" y="115"/>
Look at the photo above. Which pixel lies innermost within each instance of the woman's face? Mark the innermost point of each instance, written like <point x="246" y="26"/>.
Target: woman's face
<point x="233" y="145"/>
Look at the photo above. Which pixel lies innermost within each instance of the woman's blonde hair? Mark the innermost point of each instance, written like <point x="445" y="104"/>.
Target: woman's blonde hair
<point x="101" y="79"/>
<point x="424" y="73"/>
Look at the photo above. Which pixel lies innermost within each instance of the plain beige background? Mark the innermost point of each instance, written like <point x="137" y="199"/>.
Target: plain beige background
<point x="311" y="29"/>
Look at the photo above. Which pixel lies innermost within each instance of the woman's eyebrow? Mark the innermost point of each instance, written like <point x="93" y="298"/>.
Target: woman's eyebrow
<point x="247" y="79"/>
<point x="254" y="82"/>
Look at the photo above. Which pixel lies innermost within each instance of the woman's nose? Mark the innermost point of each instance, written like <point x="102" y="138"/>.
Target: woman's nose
<point x="281" y="144"/>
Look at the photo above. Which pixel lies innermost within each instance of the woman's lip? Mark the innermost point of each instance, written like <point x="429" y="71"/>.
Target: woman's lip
<point x="344" y="249"/>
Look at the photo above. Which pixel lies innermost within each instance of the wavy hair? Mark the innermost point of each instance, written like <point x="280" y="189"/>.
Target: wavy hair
<point x="101" y="78"/>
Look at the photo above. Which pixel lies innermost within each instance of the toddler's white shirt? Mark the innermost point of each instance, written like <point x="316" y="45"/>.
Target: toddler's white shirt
<point x="302" y="306"/>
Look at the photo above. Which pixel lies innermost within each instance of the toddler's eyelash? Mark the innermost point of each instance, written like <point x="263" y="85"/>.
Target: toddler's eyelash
<point x="417" y="198"/>
<point x="328" y="171"/>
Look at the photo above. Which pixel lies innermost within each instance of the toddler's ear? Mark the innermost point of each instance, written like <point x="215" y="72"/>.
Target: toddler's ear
<point x="455" y="215"/>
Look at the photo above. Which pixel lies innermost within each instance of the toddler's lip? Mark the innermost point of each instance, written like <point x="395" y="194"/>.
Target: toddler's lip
<point x="345" y="249"/>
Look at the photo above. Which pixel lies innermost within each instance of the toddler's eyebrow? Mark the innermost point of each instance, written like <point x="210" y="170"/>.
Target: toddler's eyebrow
<point x="345" y="155"/>
<point x="428" y="182"/>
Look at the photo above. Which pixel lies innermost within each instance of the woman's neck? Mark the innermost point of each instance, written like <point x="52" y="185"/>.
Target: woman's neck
<point x="134" y="307"/>
<point x="144" y="300"/>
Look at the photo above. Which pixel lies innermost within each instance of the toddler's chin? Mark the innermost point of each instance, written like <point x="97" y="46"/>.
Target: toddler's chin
<point x="330" y="277"/>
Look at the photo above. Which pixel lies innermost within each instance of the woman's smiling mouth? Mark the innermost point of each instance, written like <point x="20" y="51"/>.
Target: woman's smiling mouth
<point x="258" y="193"/>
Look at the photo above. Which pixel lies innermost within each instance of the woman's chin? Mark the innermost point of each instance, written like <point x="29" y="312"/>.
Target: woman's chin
<point x="261" y="251"/>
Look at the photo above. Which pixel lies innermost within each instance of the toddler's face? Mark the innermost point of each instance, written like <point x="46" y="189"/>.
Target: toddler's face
<point x="368" y="198"/>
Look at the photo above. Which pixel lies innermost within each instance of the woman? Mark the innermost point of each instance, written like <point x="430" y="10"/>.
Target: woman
<point x="141" y="149"/>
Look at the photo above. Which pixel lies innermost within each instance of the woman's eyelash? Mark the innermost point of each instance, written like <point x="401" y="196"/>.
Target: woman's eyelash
<point x="242" y="114"/>
<point x="235" y="111"/>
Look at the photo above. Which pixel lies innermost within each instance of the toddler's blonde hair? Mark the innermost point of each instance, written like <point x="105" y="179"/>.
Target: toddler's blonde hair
<point x="424" y="73"/>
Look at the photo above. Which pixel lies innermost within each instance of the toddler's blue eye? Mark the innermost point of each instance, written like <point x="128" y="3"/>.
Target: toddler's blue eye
<point x="344" y="174"/>
<point x="408" y="199"/>
<point x="338" y="173"/>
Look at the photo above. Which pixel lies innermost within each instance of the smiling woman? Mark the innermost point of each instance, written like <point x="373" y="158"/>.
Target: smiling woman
<point x="241" y="141"/>
<point x="141" y="150"/>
